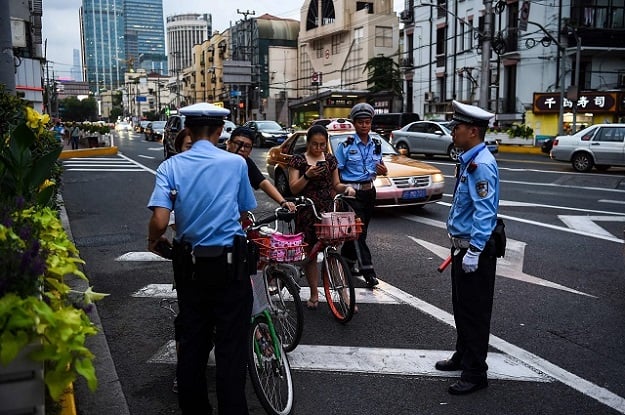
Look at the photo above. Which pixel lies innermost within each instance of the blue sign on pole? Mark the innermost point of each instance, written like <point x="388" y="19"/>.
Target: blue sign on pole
<point x="140" y="98"/>
<point x="235" y="93"/>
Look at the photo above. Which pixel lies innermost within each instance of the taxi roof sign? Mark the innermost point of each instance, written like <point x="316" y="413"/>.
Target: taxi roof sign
<point x="340" y="125"/>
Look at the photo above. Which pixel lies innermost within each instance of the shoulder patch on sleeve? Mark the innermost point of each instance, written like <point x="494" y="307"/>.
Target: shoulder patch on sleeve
<point x="481" y="188"/>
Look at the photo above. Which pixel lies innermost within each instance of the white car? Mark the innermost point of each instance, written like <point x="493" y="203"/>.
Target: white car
<point x="600" y="145"/>
<point x="123" y="126"/>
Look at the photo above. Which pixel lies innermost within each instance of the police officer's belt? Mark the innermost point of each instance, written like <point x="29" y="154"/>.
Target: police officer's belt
<point x="210" y="251"/>
<point x="459" y="243"/>
<point x="367" y="185"/>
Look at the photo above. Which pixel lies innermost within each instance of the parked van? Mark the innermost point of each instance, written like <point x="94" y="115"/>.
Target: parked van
<point x="383" y="124"/>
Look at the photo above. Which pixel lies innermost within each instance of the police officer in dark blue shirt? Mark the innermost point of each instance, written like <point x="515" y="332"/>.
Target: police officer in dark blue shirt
<point x="470" y="225"/>
<point x="359" y="163"/>
<point x="209" y="189"/>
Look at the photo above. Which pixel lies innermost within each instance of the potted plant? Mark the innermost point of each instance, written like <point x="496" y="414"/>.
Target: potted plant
<point x="41" y="318"/>
<point x="520" y="131"/>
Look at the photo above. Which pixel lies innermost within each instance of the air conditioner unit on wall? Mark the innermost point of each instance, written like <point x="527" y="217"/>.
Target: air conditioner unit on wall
<point x="406" y="16"/>
<point x="429" y="96"/>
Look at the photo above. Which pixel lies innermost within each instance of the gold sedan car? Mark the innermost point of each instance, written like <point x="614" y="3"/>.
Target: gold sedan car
<point x="408" y="183"/>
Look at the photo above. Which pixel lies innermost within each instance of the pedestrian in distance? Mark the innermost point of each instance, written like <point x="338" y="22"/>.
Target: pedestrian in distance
<point x="75" y="136"/>
<point x="359" y="163"/>
<point x="470" y="225"/>
<point x="210" y="190"/>
<point x="241" y="142"/>
<point x="314" y="174"/>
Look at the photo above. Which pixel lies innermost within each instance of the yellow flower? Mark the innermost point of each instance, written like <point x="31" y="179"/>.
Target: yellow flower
<point x="46" y="184"/>
<point x="32" y="118"/>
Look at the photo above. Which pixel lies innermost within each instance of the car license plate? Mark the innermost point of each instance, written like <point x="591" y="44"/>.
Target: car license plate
<point x="280" y="140"/>
<point x="414" y="194"/>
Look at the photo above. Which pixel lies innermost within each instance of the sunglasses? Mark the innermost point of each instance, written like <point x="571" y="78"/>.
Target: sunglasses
<point x="241" y="144"/>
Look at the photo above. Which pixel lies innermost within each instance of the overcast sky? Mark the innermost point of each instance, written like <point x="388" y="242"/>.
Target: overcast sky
<point x="62" y="30"/>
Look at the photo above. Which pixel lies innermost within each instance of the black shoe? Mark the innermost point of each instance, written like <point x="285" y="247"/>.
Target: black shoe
<point x="372" y="281"/>
<point x="447" y="365"/>
<point x="463" y="387"/>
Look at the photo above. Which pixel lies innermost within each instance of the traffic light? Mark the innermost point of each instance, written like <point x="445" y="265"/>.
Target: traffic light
<point x="241" y="105"/>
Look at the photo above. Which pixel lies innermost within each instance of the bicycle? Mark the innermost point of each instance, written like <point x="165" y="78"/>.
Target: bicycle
<point x="335" y="228"/>
<point x="285" y="304"/>
<point x="268" y="365"/>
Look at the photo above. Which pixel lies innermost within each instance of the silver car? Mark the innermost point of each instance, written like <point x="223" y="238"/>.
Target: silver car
<point x="429" y="138"/>
<point x="600" y="145"/>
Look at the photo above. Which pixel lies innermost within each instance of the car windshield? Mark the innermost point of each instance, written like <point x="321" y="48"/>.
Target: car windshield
<point x="387" y="149"/>
<point x="158" y="124"/>
<point x="445" y="126"/>
<point x="268" y="125"/>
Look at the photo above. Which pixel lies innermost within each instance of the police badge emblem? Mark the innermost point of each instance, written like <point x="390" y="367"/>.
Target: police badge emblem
<point x="481" y="188"/>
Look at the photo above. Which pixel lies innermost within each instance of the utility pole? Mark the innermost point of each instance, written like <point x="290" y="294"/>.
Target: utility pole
<point x="247" y="51"/>
<point x="486" y="46"/>
<point x="7" y="64"/>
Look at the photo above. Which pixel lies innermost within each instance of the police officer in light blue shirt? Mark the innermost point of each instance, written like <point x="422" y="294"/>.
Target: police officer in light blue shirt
<point x="470" y="224"/>
<point x="209" y="189"/>
<point x="359" y="163"/>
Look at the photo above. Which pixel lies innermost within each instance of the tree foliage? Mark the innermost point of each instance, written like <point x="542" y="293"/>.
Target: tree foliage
<point x="384" y="75"/>
<point x="76" y="110"/>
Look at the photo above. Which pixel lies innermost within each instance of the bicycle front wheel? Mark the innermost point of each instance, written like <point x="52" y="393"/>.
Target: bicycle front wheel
<point x="287" y="310"/>
<point x="338" y="286"/>
<point x="270" y="375"/>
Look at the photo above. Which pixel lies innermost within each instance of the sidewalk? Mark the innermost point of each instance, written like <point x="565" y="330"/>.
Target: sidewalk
<point x="85" y="151"/>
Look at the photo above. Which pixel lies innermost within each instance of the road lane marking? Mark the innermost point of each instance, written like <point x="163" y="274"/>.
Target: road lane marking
<point x="575" y="382"/>
<point x="619" y="202"/>
<point x="363" y="295"/>
<point x="587" y="224"/>
<point x="403" y="362"/>
<point x="140" y="256"/>
<point x="442" y="225"/>
<point x="510" y="266"/>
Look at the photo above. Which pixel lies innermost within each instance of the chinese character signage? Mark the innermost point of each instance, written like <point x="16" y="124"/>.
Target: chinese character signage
<point x="587" y="102"/>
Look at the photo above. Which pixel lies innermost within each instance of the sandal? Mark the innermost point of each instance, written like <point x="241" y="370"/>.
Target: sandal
<point x="312" y="305"/>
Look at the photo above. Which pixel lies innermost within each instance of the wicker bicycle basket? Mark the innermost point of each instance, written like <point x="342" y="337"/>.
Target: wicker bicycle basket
<point x="338" y="227"/>
<point x="281" y="248"/>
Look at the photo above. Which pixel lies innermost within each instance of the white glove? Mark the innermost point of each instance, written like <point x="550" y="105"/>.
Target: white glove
<point x="470" y="260"/>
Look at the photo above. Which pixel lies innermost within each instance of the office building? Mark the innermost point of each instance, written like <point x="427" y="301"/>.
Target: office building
<point x="119" y="36"/>
<point x="183" y="32"/>
<point x="145" y="35"/>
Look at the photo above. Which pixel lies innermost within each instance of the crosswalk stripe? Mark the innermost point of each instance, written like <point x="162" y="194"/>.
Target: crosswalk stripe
<point x="363" y="295"/>
<point x="384" y="361"/>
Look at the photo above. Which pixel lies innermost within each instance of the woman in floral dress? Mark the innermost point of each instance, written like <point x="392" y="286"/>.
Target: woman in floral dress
<point x="314" y="174"/>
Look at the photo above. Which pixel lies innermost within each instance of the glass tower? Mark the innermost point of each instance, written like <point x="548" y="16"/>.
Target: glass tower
<point x="103" y="43"/>
<point x="145" y="35"/>
<point x="120" y="36"/>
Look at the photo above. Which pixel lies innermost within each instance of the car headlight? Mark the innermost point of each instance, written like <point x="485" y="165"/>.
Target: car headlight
<point x="266" y="135"/>
<point x="382" y="182"/>
<point x="438" y="178"/>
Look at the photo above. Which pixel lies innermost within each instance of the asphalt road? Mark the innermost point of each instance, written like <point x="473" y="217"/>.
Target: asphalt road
<point x="557" y="329"/>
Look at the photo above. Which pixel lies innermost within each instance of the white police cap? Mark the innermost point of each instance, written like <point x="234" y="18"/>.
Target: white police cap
<point x="470" y="114"/>
<point x="361" y="110"/>
<point x="204" y="113"/>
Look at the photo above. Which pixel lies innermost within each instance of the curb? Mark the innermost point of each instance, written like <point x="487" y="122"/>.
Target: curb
<point x="109" y="398"/>
<point x="88" y="152"/>
<point x="519" y="149"/>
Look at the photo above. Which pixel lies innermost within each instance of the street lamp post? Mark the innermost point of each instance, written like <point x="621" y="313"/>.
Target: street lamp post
<point x="578" y="52"/>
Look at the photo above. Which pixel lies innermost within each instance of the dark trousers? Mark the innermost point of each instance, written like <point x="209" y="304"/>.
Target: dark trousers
<point x="214" y="301"/>
<point x="363" y="206"/>
<point x="472" y="299"/>
<point x="74" y="142"/>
